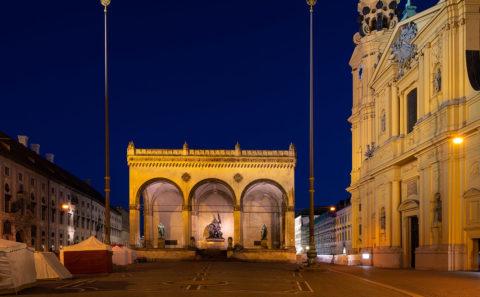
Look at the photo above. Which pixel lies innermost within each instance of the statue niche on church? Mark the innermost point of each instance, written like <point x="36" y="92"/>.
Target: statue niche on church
<point x="215" y="228"/>
<point x="437" y="210"/>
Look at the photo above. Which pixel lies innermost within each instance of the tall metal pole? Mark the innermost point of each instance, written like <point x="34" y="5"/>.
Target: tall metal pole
<point x="312" y="253"/>
<point x="105" y="3"/>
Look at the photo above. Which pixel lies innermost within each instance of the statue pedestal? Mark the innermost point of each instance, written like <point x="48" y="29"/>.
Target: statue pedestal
<point x="216" y="243"/>
<point x="264" y="244"/>
<point x="161" y="243"/>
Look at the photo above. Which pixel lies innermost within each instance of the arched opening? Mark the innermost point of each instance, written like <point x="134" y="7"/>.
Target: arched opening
<point x="211" y="200"/>
<point x="162" y="203"/>
<point x="263" y="203"/>
<point x="20" y="236"/>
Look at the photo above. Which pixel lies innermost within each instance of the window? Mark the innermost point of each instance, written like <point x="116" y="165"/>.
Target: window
<point x="7" y="202"/>
<point x="359" y="207"/>
<point x="360" y="229"/>
<point x="382" y="219"/>
<point x="69" y="218"/>
<point x="7" y="188"/>
<point x="43" y="187"/>
<point x="32" y="182"/>
<point x="411" y="110"/>
<point x="20" y="177"/>
<point x="62" y="215"/>
<point x="7" y="171"/>
<point x="44" y="212"/>
<point x="53" y="215"/>
<point x="7" y="228"/>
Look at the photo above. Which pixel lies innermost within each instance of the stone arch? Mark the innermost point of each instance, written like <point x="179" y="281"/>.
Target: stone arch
<point x="263" y="202"/>
<point x="163" y="202"/>
<point x="211" y="180"/>
<point x="211" y="198"/>
<point x="155" y="180"/>
<point x="268" y="181"/>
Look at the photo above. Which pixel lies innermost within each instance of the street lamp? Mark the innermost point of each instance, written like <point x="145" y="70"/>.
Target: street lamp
<point x="312" y="253"/>
<point x="65" y="206"/>
<point x="105" y="3"/>
<point x="458" y="140"/>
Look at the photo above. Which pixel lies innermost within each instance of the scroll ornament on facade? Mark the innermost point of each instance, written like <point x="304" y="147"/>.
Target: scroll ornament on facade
<point x="403" y="51"/>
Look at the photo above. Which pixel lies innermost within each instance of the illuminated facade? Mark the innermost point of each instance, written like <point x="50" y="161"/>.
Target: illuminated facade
<point x="184" y="189"/>
<point x="416" y="193"/>
<point x="43" y="205"/>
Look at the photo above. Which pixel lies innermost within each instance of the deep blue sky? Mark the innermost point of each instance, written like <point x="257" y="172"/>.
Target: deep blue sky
<point x="208" y="72"/>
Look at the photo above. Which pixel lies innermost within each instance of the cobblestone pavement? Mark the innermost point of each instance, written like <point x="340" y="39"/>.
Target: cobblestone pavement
<point x="260" y="279"/>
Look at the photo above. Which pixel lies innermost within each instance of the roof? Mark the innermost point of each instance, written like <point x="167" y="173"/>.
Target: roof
<point x="89" y="244"/>
<point x="18" y="153"/>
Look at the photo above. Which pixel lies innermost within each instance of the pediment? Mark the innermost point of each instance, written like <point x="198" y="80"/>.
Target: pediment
<point x="421" y="19"/>
<point x="473" y="192"/>
<point x="408" y="205"/>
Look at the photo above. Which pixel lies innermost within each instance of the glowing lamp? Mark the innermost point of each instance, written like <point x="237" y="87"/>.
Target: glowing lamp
<point x="365" y="256"/>
<point x="458" y="140"/>
<point x="65" y="206"/>
<point x="332" y="208"/>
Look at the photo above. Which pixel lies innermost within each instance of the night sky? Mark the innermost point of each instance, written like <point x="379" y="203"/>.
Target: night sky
<point x="207" y="72"/>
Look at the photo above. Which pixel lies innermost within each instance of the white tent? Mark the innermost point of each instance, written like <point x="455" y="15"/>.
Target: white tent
<point x="120" y="256"/>
<point x="48" y="267"/>
<point x="132" y="256"/>
<point x="17" y="267"/>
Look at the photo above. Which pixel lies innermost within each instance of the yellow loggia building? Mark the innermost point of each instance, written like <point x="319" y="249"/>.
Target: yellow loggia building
<point x="415" y="179"/>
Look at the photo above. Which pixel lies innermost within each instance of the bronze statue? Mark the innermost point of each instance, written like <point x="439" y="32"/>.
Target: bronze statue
<point x="215" y="228"/>
<point x="264" y="232"/>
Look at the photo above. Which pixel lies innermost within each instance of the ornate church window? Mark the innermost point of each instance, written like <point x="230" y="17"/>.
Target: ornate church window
<point x="411" y="110"/>
<point x="382" y="219"/>
<point x="360" y="72"/>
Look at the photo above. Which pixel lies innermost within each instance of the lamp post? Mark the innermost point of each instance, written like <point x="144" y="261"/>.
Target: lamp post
<point x="312" y="253"/>
<point x="105" y="3"/>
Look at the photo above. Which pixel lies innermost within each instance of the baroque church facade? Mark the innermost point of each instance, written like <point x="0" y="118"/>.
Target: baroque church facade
<point x="415" y="180"/>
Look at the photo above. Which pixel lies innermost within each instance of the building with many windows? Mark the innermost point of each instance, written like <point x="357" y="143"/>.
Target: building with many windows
<point x="415" y="180"/>
<point x="333" y="230"/>
<point x="45" y="206"/>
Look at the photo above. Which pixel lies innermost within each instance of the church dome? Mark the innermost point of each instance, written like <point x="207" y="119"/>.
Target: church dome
<point x="376" y="15"/>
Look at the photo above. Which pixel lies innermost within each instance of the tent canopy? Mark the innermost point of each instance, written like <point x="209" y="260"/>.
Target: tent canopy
<point x="48" y="267"/>
<point x="8" y="246"/>
<point x="90" y="244"/>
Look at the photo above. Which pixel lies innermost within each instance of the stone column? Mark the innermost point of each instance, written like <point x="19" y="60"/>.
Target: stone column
<point x="388" y="213"/>
<point x="290" y="227"/>
<point x="395" y="112"/>
<point x="396" y="217"/>
<point x="237" y="226"/>
<point x="186" y="225"/>
<point x="403" y="114"/>
<point x="147" y="228"/>
<point x="134" y="225"/>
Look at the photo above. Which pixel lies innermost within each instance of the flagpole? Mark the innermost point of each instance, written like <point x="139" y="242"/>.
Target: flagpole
<point x="105" y="3"/>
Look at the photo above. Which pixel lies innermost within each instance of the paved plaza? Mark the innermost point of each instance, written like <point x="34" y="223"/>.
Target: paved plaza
<point x="214" y="278"/>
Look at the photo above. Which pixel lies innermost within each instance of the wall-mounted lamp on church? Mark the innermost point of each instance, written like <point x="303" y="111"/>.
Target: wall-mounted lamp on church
<point x="458" y="140"/>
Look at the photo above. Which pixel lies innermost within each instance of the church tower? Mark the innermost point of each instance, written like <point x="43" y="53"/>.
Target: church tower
<point x="377" y="19"/>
